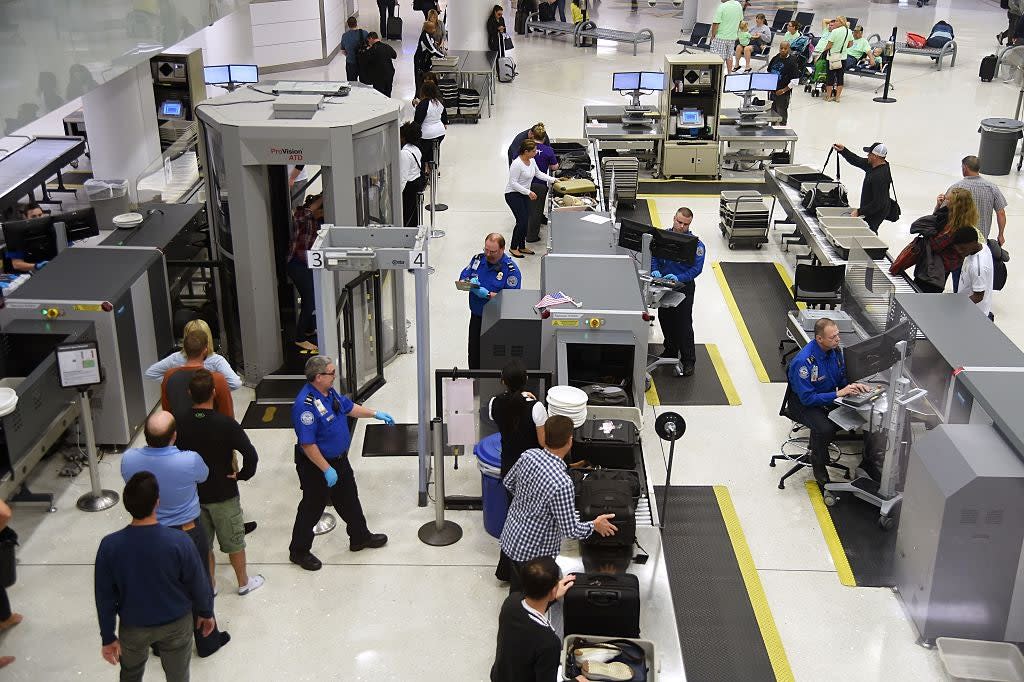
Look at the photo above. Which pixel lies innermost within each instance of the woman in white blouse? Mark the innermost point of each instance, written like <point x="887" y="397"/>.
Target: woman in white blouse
<point x="411" y="171"/>
<point x="518" y="195"/>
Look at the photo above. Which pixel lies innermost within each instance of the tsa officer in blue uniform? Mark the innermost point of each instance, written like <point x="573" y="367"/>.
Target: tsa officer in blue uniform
<point x="321" y="460"/>
<point x="490" y="271"/>
<point x="817" y="376"/>
<point x="677" y="321"/>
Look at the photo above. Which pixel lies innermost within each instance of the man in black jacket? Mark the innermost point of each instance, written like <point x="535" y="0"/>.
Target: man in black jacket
<point x="376" y="66"/>
<point x="784" y="64"/>
<point x="874" y="193"/>
<point x="528" y="649"/>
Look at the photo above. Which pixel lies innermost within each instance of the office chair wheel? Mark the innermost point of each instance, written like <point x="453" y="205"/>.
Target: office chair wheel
<point x="830" y="499"/>
<point x="757" y="246"/>
<point x="782" y="486"/>
<point x="772" y="464"/>
<point x="886" y="522"/>
<point x="732" y="246"/>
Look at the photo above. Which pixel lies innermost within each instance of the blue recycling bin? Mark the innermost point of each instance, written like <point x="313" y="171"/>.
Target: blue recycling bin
<point x="495" y="499"/>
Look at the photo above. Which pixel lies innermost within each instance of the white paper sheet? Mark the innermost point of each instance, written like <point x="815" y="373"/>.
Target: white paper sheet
<point x="460" y="412"/>
<point x="597" y="219"/>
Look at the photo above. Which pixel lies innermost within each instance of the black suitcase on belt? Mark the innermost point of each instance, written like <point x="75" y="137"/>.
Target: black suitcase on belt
<point x="394" y="26"/>
<point x="606" y="442"/>
<point x="603" y="605"/>
<point x="631" y="477"/>
<point x="598" y="496"/>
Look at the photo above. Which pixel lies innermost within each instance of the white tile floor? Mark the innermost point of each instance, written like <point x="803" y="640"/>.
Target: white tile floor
<point x="410" y="611"/>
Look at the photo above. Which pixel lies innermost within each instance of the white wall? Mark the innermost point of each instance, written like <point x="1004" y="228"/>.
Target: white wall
<point x="286" y="31"/>
<point x="335" y="16"/>
<point x="467" y="22"/>
<point x="120" y="116"/>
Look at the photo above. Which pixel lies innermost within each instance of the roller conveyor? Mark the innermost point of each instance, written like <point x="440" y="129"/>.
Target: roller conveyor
<point x="31" y="165"/>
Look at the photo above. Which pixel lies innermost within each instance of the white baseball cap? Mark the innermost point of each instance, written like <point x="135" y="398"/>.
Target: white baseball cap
<point x="878" y="149"/>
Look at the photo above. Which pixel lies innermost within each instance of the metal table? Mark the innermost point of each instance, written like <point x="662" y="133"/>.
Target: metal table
<point x="757" y="137"/>
<point x="617" y="132"/>
<point x="610" y="113"/>
<point x="570" y="233"/>
<point x="731" y="116"/>
<point x="31" y="165"/>
<point x="473" y="63"/>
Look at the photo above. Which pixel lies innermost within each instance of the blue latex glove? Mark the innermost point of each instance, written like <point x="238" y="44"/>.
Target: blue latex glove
<point x="655" y="274"/>
<point x="475" y="281"/>
<point x="671" y="278"/>
<point x="384" y="417"/>
<point x="332" y="476"/>
<point x="482" y="292"/>
<point x="41" y="264"/>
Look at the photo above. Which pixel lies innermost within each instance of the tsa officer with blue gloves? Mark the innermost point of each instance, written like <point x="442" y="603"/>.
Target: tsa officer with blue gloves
<point x="817" y="376"/>
<point x="489" y="272"/>
<point x="321" y="460"/>
<point x="677" y="321"/>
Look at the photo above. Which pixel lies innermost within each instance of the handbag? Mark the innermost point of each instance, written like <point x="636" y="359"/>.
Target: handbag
<point x="508" y="43"/>
<point x="8" y="562"/>
<point x="817" y="198"/>
<point x="908" y="257"/>
<point x="625" y="651"/>
<point x="894" y="212"/>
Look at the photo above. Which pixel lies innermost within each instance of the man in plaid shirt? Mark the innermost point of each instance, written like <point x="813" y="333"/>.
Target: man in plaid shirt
<point x="543" y="509"/>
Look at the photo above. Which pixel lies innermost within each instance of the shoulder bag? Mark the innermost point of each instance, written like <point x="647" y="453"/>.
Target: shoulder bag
<point x="836" y="60"/>
<point x="894" y="212"/>
<point x="818" y="197"/>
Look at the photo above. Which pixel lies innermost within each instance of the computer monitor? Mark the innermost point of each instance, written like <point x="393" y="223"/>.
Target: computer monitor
<point x="626" y="81"/>
<point x="244" y="73"/>
<point x="216" y="75"/>
<point x="79" y="224"/>
<point x="652" y="80"/>
<point x="631" y="234"/>
<point x="764" y="80"/>
<point x="875" y="354"/>
<point x="691" y="117"/>
<point x="35" y="239"/>
<point x="737" y="82"/>
<point x="172" y="108"/>
<point x="680" y="247"/>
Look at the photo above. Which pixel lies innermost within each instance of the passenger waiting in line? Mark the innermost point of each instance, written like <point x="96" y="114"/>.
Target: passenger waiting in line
<point x="212" y="361"/>
<point x="426" y="50"/>
<point x="306" y="222"/>
<point x="433" y="121"/>
<point x="174" y="395"/>
<point x="948" y="230"/>
<point x="351" y="40"/>
<point x="8" y="618"/>
<point x="577" y="12"/>
<point x="874" y="192"/>
<point x="988" y="199"/>
<point x="411" y="172"/>
<point x="440" y="34"/>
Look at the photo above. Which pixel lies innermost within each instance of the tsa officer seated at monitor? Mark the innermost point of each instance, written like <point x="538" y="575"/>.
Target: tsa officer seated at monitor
<point x="489" y="272"/>
<point x="30" y="211"/>
<point x="817" y="376"/>
<point x="677" y="321"/>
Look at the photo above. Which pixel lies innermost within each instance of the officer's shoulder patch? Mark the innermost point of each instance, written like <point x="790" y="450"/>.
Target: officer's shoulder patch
<point x="700" y="250"/>
<point x="513" y="280"/>
<point x="306" y="418"/>
<point x="804" y="373"/>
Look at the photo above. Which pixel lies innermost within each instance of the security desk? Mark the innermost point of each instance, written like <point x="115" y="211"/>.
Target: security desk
<point x="730" y="116"/>
<point x="765" y="137"/>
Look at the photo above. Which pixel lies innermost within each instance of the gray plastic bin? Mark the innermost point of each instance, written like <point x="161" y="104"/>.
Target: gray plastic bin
<point x="109" y="198"/>
<point x="999" y="138"/>
<point x="974" y="660"/>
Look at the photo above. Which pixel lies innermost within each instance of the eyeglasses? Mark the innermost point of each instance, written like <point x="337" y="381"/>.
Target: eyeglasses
<point x="328" y="374"/>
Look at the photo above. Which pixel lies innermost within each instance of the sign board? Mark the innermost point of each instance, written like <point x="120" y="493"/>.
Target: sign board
<point x="78" y="364"/>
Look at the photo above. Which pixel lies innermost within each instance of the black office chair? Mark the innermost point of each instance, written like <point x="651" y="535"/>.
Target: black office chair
<point x="782" y="17"/>
<point x="819" y="285"/>
<point x="698" y="39"/>
<point x="800" y="446"/>
<point x="805" y="19"/>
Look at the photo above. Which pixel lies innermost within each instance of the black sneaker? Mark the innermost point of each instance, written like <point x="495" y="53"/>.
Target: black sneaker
<point x="372" y="542"/>
<point x="249" y="526"/>
<point x="306" y="561"/>
<point x="687" y="369"/>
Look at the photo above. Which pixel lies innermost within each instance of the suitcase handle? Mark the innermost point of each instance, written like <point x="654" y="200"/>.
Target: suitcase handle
<point x="603" y="597"/>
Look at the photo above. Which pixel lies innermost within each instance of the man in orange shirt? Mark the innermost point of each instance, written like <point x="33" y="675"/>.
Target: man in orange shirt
<point x="174" y="397"/>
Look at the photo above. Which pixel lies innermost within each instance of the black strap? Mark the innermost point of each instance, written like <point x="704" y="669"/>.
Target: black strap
<point x="827" y="158"/>
<point x="893" y="185"/>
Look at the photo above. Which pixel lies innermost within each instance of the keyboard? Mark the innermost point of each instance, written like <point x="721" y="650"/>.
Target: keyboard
<point x="861" y="399"/>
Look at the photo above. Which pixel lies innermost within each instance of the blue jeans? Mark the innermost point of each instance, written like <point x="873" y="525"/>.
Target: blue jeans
<point x="560" y="4"/>
<point x="520" y="205"/>
<point x="302" y="277"/>
<point x="956" y="280"/>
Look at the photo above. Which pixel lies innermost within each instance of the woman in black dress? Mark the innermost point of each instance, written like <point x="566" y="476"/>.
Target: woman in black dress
<point x="495" y="28"/>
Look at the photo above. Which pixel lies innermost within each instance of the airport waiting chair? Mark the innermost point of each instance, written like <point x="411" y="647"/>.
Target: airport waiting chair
<point x="819" y="285"/>
<point x="852" y="21"/>
<point x="797" y="449"/>
<point x="698" y="39"/>
<point x="782" y="17"/>
<point x="805" y="19"/>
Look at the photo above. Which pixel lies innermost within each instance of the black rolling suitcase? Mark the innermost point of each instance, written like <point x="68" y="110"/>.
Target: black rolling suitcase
<point x="631" y="477"/>
<point x="395" y="26"/>
<point x="603" y="605"/>
<point x="988" y="68"/>
<point x="607" y="443"/>
<point x="598" y="496"/>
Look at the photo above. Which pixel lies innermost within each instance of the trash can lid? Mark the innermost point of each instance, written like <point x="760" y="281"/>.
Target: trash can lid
<point x="1002" y="125"/>
<point x="488" y="450"/>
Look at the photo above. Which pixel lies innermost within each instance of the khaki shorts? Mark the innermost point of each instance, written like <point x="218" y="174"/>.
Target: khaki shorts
<point x="225" y="520"/>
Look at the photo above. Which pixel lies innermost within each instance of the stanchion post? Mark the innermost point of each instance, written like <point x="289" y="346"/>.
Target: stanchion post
<point x="97" y="499"/>
<point x="888" y="56"/>
<point x="434" y="206"/>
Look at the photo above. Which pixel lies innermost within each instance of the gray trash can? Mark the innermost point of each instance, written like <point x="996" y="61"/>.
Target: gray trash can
<point x="108" y="198"/>
<point x="999" y="138"/>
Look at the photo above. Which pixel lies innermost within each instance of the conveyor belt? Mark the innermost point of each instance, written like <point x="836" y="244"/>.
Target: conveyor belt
<point x="31" y="165"/>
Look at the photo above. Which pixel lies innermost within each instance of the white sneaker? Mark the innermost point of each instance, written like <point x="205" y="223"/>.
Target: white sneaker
<point x="595" y="654"/>
<point x="617" y="672"/>
<point x="255" y="583"/>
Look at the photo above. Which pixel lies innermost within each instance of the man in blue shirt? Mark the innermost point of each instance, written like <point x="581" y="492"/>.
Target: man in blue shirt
<point x="546" y="162"/>
<point x="319" y="415"/>
<point x="817" y="376"/>
<point x="677" y="321"/>
<point x="31" y="211"/>
<point x="178" y="473"/>
<point x="151" y="577"/>
<point x="489" y="272"/>
<point x="350" y="43"/>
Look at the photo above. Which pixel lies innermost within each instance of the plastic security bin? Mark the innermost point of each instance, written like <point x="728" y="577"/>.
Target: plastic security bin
<point x="108" y="198"/>
<point x="495" y="499"/>
<point x="999" y="138"/>
<point x="974" y="660"/>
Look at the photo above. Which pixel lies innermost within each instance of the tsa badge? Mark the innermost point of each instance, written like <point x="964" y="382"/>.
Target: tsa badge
<point x="700" y="251"/>
<point x="306" y="418"/>
<point x="512" y="281"/>
<point x="804" y="373"/>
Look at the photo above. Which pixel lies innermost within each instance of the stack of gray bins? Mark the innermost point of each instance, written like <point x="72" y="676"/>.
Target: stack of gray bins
<point x="744" y="217"/>
<point x="449" y="89"/>
<point x="469" y="104"/>
<point x="627" y="178"/>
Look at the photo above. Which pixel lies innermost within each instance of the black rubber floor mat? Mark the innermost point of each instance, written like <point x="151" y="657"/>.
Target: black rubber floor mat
<point x="868" y="548"/>
<point x="763" y="300"/>
<point x="267" y="417"/>
<point x="639" y="212"/>
<point x="703" y="388"/>
<point x="718" y="629"/>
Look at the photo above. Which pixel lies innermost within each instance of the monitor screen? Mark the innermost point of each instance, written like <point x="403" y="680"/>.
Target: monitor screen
<point x="691" y="117"/>
<point x="171" y="108"/>
<point x="680" y="247"/>
<point x="764" y="81"/>
<point x="625" y="81"/>
<point x="31" y="240"/>
<point x="652" y="80"/>
<point x="631" y="234"/>
<point x="739" y="82"/>
<point x="79" y="224"/>
<point x="875" y="354"/>
<point x="244" y="73"/>
<point x="215" y="75"/>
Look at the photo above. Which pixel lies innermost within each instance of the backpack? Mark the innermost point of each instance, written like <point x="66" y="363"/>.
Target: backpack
<point x="916" y="40"/>
<point x="363" y="61"/>
<point x="800" y="44"/>
<point x="1000" y="258"/>
<point x="941" y="33"/>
